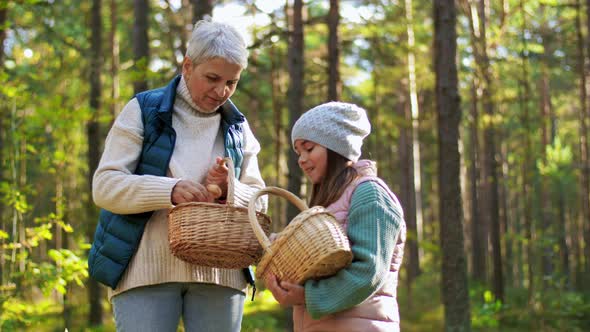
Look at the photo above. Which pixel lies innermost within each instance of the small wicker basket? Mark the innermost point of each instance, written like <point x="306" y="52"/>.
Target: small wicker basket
<point x="216" y="235"/>
<point x="312" y="246"/>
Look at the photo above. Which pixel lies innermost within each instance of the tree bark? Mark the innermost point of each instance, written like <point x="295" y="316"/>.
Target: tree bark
<point x="295" y="97"/>
<point x="295" y="94"/>
<point x="114" y="41"/>
<point x="455" y="291"/>
<point x="585" y="147"/>
<point x="505" y="217"/>
<point x="406" y="176"/>
<point x="334" y="86"/>
<point x="478" y="231"/>
<point x="526" y="164"/>
<point x="547" y="213"/>
<point x="3" y="15"/>
<point x="479" y="226"/>
<point x="95" y="313"/>
<point x="277" y="109"/>
<point x="414" y="198"/>
<point x="141" y="50"/>
<point x="201" y="8"/>
<point x="490" y="206"/>
<point x="3" y="131"/>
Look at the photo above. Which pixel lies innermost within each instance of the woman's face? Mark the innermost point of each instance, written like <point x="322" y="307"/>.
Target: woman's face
<point x="212" y="82"/>
<point x="313" y="159"/>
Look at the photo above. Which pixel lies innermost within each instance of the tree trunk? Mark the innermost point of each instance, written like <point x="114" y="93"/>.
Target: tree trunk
<point x="455" y="291"/>
<point x="414" y="193"/>
<point x="547" y="213"/>
<point x="479" y="221"/>
<point x="114" y="41"/>
<point x="526" y="164"/>
<point x="95" y="313"/>
<point x="492" y="206"/>
<point x="478" y="230"/>
<point x="406" y="192"/>
<point x="507" y="228"/>
<point x="334" y="87"/>
<point x="3" y="14"/>
<point x="584" y="147"/>
<point x="490" y="165"/>
<point x="202" y="8"/>
<point x="3" y="130"/>
<point x="141" y="48"/>
<point x="564" y="251"/>
<point x="295" y="97"/>
<point x="278" y="135"/>
<point x="182" y="32"/>
<point x="372" y="140"/>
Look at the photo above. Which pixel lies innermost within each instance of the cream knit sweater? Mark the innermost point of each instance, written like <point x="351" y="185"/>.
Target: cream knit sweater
<point x="115" y="188"/>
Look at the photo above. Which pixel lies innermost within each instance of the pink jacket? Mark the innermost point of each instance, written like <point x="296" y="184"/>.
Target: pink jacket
<point x="378" y="313"/>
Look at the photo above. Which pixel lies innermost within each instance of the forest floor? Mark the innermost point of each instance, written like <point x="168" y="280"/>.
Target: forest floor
<point x="420" y="311"/>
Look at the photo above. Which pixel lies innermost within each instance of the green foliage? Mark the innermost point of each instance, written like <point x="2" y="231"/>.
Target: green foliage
<point x="264" y="314"/>
<point x="421" y="308"/>
<point x="559" y="160"/>
<point x="44" y="173"/>
<point x="69" y="267"/>
<point x="18" y="315"/>
<point x="553" y="309"/>
<point x="65" y="268"/>
<point x="484" y="308"/>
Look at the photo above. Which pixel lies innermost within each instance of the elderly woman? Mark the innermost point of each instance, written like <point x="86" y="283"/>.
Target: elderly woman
<point x="164" y="148"/>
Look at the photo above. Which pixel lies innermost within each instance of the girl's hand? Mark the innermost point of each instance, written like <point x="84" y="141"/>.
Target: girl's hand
<point x="217" y="175"/>
<point x="286" y="293"/>
<point x="187" y="191"/>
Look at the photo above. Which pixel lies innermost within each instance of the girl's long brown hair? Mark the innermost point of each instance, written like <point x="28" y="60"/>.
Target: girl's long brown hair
<point x="339" y="174"/>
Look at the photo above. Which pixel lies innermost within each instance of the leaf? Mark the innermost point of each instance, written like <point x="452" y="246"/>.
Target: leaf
<point x="488" y="296"/>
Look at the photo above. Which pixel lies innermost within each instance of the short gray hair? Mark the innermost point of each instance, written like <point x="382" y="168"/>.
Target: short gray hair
<point x="217" y="40"/>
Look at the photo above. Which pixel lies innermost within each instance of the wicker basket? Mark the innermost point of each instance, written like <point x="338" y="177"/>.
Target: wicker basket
<point x="312" y="246"/>
<point x="216" y="235"/>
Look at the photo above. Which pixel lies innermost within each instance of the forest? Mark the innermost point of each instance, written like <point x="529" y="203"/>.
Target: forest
<point x="480" y="115"/>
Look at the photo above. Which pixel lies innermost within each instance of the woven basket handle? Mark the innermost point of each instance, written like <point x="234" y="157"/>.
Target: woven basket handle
<point x="231" y="178"/>
<point x="262" y="238"/>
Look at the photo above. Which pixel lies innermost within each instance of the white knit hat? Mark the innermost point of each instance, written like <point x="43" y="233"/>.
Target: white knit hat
<point x="340" y="127"/>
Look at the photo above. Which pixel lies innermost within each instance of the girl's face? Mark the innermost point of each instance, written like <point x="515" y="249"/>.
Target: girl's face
<point x="313" y="159"/>
<point x="211" y="83"/>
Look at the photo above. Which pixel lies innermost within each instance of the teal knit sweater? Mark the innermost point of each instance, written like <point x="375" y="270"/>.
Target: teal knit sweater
<point x="373" y="226"/>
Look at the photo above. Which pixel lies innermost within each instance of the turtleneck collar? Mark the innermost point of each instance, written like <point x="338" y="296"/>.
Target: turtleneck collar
<point x="184" y="95"/>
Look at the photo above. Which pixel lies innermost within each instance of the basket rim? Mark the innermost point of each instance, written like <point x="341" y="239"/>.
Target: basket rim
<point x="215" y="218"/>
<point x="295" y="224"/>
<point x="227" y="205"/>
<point x="265" y="261"/>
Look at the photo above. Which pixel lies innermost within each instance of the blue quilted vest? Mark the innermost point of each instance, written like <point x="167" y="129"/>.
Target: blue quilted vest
<point x="117" y="236"/>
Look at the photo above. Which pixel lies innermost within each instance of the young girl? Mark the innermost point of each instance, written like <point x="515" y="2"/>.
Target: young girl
<point x="362" y="296"/>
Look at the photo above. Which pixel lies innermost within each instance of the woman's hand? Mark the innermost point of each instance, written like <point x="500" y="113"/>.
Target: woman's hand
<point x="187" y="191"/>
<point x="218" y="175"/>
<point x="286" y="293"/>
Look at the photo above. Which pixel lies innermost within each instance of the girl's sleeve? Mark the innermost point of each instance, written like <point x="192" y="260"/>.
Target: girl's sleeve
<point x="374" y="221"/>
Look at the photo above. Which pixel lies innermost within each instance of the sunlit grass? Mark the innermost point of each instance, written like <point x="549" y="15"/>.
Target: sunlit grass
<point x="263" y="301"/>
<point x="264" y="314"/>
<point x="421" y="310"/>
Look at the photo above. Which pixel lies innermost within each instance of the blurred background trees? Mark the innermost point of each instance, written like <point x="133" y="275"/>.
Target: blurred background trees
<point x="503" y="202"/>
